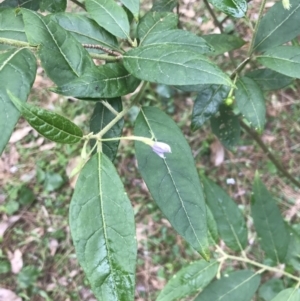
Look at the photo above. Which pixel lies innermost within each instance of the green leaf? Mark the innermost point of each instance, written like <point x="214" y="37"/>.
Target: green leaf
<point x="30" y="4"/>
<point x="222" y="43"/>
<point x="226" y="126"/>
<point x="49" y="124"/>
<point x="86" y="31"/>
<point x="109" y="15"/>
<point x="213" y="234"/>
<point x="164" y="5"/>
<point x="233" y="8"/>
<point x="173" y="66"/>
<point x="207" y="104"/>
<point x="133" y="6"/>
<point x="270" y="289"/>
<point x="292" y="257"/>
<point x="250" y="102"/>
<point x="100" y="118"/>
<point x="53" y="181"/>
<point x="268" y="222"/>
<point x="268" y="79"/>
<point x="278" y="26"/>
<point x="239" y="285"/>
<point x="289" y="294"/>
<point x="283" y="59"/>
<point x="229" y="218"/>
<point x="173" y="182"/>
<point x="178" y="38"/>
<point x="103" y="230"/>
<point x="62" y="57"/>
<point x="17" y="73"/>
<point x="53" y="6"/>
<point x="154" y="22"/>
<point x="189" y="280"/>
<point x="106" y="81"/>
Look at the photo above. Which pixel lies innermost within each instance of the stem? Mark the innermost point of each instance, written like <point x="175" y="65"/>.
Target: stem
<point x="15" y="43"/>
<point x="79" y="4"/>
<point x="240" y="67"/>
<point x="107" y="50"/>
<point x="109" y="107"/>
<point x="216" y="21"/>
<point x="262" y="145"/>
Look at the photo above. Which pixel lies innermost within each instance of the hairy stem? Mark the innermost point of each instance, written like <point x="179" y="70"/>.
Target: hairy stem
<point x="100" y="47"/>
<point x="15" y="43"/>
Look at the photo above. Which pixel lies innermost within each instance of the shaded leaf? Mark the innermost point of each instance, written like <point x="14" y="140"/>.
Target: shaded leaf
<point x="250" y="102"/>
<point x="283" y="59"/>
<point x="270" y="289"/>
<point x="213" y="234"/>
<point x="233" y="8"/>
<point x="164" y="5"/>
<point x="222" y="43"/>
<point x="53" y="6"/>
<point x="173" y="66"/>
<point x="133" y="6"/>
<point x="17" y="73"/>
<point x="289" y="294"/>
<point x="239" y="285"/>
<point x="109" y="15"/>
<point x="268" y="79"/>
<point x="268" y="222"/>
<point x="110" y="80"/>
<point x="292" y="257"/>
<point x="189" y="280"/>
<point x="207" y="104"/>
<point x="172" y="181"/>
<point x="103" y="230"/>
<point x="100" y="118"/>
<point x="278" y="26"/>
<point x="30" y="4"/>
<point x="49" y="124"/>
<point x="230" y="221"/>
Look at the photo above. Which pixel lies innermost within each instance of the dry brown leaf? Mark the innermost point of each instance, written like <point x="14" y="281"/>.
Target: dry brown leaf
<point x="48" y="146"/>
<point x="73" y="163"/>
<point x="53" y="245"/>
<point x="5" y="224"/>
<point x="217" y="153"/>
<point x="19" y="134"/>
<point x="8" y="295"/>
<point x="16" y="260"/>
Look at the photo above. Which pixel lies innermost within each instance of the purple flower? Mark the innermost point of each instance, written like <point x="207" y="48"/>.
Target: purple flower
<point x="160" y="148"/>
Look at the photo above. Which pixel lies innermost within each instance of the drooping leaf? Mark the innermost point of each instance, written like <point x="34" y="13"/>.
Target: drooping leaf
<point x="268" y="222"/>
<point x="270" y="289"/>
<point x="239" y="285"/>
<point x="103" y="230"/>
<point x="189" y="280"/>
<point x="251" y="103"/>
<point x="49" y="124"/>
<point x="53" y="6"/>
<point x="233" y="8"/>
<point x="222" y="43"/>
<point x="100" y="118"/>
<point x="62" y="56"/>
<point x="178" y="37"/>
<point x="106" y="81"/>
<point x="30" y="4"/>
<point x="283" y="59"/>
<point x="268" y="79"/>
<point x="154" y="22"/>
<point x="278" y="26"/>
<point x="173" y="66"/>
<point x="172" y="181"/>
<point x="133" y="6"/>
<point x="164" y="5"/>
<point x="289" y="294"/>
<point x="230" y="221"/>
<point x="213" y="235"/>
<point x="17" y="73"/>
<point x="86" y="31"/>
<point x="226" y="126"/>
<point x="109" y="15"/>
<point x="207" y="104"/>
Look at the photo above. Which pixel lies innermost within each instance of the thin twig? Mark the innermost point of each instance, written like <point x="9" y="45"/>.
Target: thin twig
<point x="79" y="4"/>
<point x="212" y="13"/>
<point x="107" y="50"/>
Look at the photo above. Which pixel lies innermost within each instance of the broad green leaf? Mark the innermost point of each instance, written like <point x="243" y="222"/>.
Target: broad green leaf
<point x="189" y="280"/>
<point x="154" y="22"/>
<point x="207" y="104"/>
<point x="30" y="4"/>
<point x="109" y="15"/>
<point x="86" y="31"/>
<point x="53" y="6"/>
<point x="230" y="221"/>
<point x="226" y="126"/>
<point x="103" y="230"/>
<point x="164" y="5"/>
<point x="133" y="6"/>
<point x="164" y="65"/>
<point x="237" y="286"/>
<point x="62" y="57"/>
<point x="100" y="118"/>
<point x="250" y="102"/>
<point x="173" y="181"/>
<point x="110" y="80"/>
<point x="292" y="258"/>
<point x="268" y="79"/>
<point x="283" y="59"/>
<point x="268" y="222"/>
<point x="49" y="124"/>
<point x="289" y="294"/>
<point x="17" y="73"/>
<point x="270" y="289"/>
<point x="213" y="235"/>
<point x="278" y="26"/>
<point x="233" y="8"/>
<point x="222" y="43"/>
<point x="178" y="38"/>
